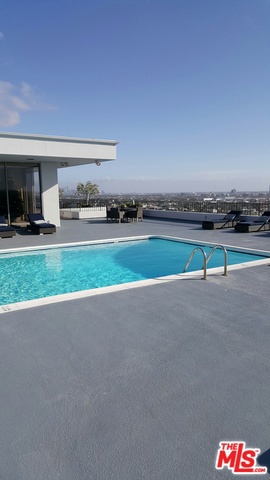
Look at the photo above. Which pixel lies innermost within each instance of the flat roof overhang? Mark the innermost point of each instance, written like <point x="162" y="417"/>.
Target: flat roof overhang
<point x="62" y="151"/>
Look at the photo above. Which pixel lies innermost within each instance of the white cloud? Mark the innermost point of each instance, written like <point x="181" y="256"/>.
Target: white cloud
<point x="15" y="100"/>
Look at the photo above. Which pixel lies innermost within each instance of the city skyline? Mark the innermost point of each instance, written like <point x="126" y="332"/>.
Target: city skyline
<point x="182" y="85"/>
<point x="214" y="195"/>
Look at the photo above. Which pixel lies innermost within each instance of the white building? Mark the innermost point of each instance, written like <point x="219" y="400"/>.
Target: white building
<point x="28" y="170"/>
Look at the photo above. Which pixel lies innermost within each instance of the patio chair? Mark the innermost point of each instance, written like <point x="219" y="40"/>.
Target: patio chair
<point x="115" y="214"/>
<point x="39" y="225"/>
<point x="260" y="225"/>
<point x="108" y="213"/>
<point x="134" y="214"/>
<point x="229" y="221"/>
<point x="112" y="214"/>
<point x="6" y="231"/>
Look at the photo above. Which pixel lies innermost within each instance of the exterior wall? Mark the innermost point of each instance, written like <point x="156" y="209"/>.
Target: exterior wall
<point x="84" y="212"/>
<point x="196" y="217"/>
<point x="50" y="193"/>
<point x="187" y="216"/>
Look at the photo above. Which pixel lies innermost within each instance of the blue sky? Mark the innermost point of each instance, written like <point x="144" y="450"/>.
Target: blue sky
<point x="183" y="85"/>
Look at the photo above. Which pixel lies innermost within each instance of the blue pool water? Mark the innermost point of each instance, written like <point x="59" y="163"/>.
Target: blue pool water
<point x="54" y="271"/>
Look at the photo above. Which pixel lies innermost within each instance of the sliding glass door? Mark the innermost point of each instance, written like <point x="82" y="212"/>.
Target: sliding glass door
<point x="3" y="192"/>
<point x="21" y="190"/>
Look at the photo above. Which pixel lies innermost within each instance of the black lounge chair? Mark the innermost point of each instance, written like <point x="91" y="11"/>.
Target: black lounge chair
<point x="229" y="221"/>
<point x="39" y="225"/>
<point x="260" y="225"/>
<point x="6" y="231"/>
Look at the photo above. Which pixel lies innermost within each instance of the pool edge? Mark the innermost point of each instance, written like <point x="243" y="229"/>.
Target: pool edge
<point x="17" y="306"/>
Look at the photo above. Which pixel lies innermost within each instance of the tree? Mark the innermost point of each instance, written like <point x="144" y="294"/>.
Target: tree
<point x="61" y="192"/>
<point x="87" y="189"/>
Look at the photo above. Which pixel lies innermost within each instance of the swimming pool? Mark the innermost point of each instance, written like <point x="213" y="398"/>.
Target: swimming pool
<point x="48" y="272"/>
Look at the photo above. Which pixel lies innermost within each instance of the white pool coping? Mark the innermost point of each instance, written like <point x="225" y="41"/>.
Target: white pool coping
<point x="131" y="285"/>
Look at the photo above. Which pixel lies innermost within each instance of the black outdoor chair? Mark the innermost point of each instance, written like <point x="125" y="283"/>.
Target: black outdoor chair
<point x="134" y="213"/>
<point x="115" y="214"/>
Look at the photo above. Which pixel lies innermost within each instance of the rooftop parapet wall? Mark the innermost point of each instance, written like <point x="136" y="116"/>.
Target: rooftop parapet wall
<point x="100" y="212"/>
<point x="196" y="217"/>
<point x="84" y="212"/>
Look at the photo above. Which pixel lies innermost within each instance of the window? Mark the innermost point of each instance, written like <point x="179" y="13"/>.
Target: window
<point x="19" y="190"/>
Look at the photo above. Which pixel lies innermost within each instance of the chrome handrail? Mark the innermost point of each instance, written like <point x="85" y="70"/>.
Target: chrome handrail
<point x="204" y="261"/>
<point x="225" y="257"/>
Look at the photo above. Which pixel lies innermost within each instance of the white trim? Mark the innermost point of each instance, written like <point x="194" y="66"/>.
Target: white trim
<point x="53" y="138"/>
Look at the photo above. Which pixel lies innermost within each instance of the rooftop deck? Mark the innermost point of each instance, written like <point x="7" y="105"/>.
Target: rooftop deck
<point x="137" y="384"/>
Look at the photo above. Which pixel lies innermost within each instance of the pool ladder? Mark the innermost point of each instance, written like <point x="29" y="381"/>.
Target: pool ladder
<point x="206" y="259"/>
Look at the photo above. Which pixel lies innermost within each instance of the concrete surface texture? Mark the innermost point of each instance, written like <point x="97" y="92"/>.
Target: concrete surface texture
<point x="137" y="384"/>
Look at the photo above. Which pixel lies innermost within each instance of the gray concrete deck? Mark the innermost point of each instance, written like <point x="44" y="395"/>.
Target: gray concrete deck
<point x="137" y="384"/>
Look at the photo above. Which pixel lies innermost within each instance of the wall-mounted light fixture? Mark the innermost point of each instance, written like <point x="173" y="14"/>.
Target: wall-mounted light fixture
<point x="97" y="163"/>
<point x="64" y="164"/>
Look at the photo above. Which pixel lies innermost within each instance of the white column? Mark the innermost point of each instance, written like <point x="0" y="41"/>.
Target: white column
<point x="50" y="193"/>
